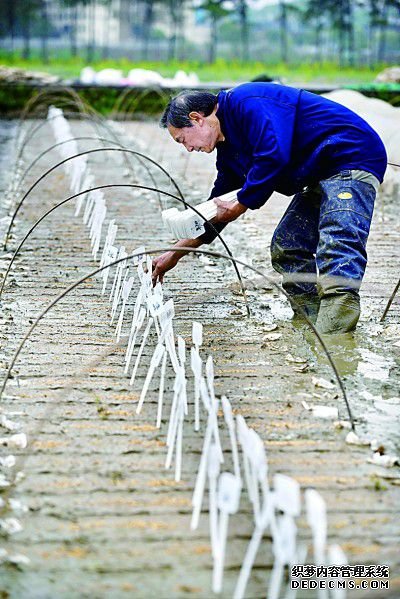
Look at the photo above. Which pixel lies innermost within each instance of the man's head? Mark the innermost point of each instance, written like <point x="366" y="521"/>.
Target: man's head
<point x="191" y="120"/>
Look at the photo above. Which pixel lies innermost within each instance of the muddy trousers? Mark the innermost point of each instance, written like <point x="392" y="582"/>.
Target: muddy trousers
<point x="319" y="247"/>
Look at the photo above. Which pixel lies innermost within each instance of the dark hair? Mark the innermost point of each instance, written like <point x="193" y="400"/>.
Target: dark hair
<point x="177" y="112"/>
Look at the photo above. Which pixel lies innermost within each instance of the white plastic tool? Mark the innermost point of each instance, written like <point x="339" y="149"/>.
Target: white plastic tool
<point x="228" y="416"/>
<point x="111" y="255"/>
<point x="88" y="207"/>
<point x="229" y="488"/>
<point x="262" y="523"/>
<point x="187" y="224"/>
<point x="138" y="257"/>
<point x="155" y="360"/>
<point x="197" y="334"/>
<point x="196" y="365"/>
<point x="284" y="532"/>
<point x="337" y="557"/>
<point x="198" y="492"/>
<point x="96" y="222"/>
<point x="88" y="183"/>
<point x="242" y="434"/>
<point x="118" y="292"/>
<point x="213" y="470"/>
<point x="19" y="440"/>
<point x="141" y="348"/>
<point x="207" y="394"/>
<point x="109" y="241"/>
<point x="175" y="430"/>
<point x="126" y="289"/>
<point x="155" y="304"/>
<point x="287" y="504"/>
<point x="287" y="495"/>
<point x="161" y="390"/>
<point x="170" y="345"/>
<point x="137" y="322"/>
<point x="118" y="273"/>
<point x="176" y="400"/>
<point x="317" y="520"/>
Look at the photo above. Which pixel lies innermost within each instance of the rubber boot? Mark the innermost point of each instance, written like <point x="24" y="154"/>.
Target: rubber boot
<point x="338" y="313"/>
<point x="309" y="302"/>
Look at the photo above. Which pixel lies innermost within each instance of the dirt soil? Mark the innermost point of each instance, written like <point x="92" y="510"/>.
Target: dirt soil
<point x="104" y="518"/>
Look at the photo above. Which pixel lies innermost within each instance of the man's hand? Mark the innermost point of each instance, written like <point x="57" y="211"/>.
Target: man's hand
<point x="163" y="264"/>
<point x="169" y="259"/>
<point x="228" y="211"/>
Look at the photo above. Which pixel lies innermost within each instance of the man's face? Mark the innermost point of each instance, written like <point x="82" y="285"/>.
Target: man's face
<point x="201" y="137"/>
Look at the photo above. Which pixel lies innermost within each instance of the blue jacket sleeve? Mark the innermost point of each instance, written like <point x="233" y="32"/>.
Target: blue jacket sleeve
<point x="226" y="181"/>
<point x="267" y="128"/>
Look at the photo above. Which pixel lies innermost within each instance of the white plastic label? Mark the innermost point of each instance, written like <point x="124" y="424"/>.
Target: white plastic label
<point x="197" y="334"/>
<point x="229" y="489"/>
<point x="138" y="258"/>
<point x="287" y="494"/>
<point x="167" y="313"/>
<point x="181" y="350"/>
<point x="195" y="363"/>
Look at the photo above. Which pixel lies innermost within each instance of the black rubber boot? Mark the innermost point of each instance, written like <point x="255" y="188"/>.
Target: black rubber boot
<point x="338" y="313"/>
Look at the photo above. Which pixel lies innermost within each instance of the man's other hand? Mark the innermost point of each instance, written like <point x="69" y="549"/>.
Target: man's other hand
<point x="228" y="211"/>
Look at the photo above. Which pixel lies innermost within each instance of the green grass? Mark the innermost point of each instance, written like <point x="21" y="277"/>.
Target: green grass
<point x="222" y="70"/>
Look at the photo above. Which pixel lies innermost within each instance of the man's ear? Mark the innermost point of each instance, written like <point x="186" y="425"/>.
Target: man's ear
<point x="196" y="116"/>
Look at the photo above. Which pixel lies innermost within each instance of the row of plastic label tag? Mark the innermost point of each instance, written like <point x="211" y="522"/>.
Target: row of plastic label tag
<point x="274" y="510"/>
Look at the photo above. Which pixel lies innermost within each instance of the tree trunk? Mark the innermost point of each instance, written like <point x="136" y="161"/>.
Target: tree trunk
<point x="180" y="37"/>
<point x="73" y="30"/>
<point x="317" y="41"/>
<point x="181" y="44"/>
<point x="91" y="21"/>
<point x="341" y="48"/>
<point x="45" y="33"/>
<point x="174" y="29"/>
<point x="147" y="24"/>
<point x="370" y="43"/>
<point x="283" y="31"/>
<point x="213" y="40"/>
<point x="382" y="33"/>
<point x="350" y="33"/>
<point x="26" y="52"/>
<point x="341" y="30"/>
<point x="105" y="53"/>
<point x="11" y="22"/>
<point x="244" y="30"/>
<point x="172" y="46"/>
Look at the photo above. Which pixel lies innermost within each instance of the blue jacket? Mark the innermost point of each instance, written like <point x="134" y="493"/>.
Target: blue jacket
<point x="278" y="138"/>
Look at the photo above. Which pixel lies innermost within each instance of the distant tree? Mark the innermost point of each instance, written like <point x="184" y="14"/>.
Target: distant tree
<point x="242" y="10"/>
<point x="176" y="10"/>
<point x="27" y="12"/>
<point x="105" y="52"/>
<point x="91" y="28"/>
<point x="25" y="17"/>
<point x="148" y="21"/>
<point x="340" y="13"/>
<point x="8" y="20"/>
<point x="285" y="10"/>
<point x="283" y="30"/>
<point x="73" y="6"/>
<point x="44" y="30"/>
<point x="384" y="23"/>
<point x="216" y="11"/>
<point x="315" y="15"/>
<point x="91" y="14"/>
